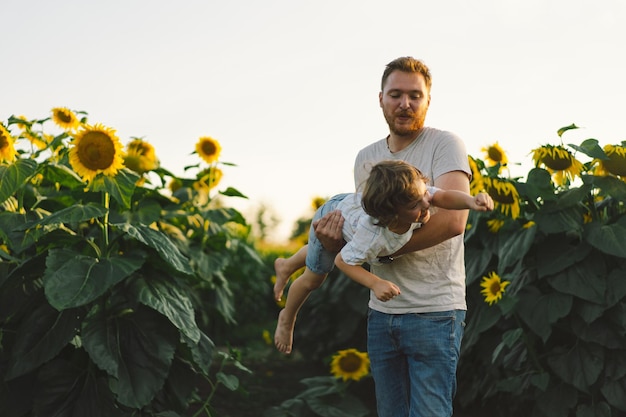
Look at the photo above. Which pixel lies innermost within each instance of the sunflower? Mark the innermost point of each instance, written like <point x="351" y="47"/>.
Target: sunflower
<point x="350" y="364"/>
<point x="22" y="122"/>
<point x="140" y="156"/>
<point x="615" y="165"/>
<point x="476" y="185"/>
<point x="495" y="155"/>
<point x="96" y="149"/>
<point x="208" y="179"/>
<point x="528" y="224"/>
<point x="494" y="225"/>
<point x="317" y="202"/>
<point x="175" y="185"/>
<point x="65" y="118"/>
<point x="33" y="138"/>
<point x="209" y="149"/>
<point x="493" y="287"/>
<point x="7" y="145"/>
<point x="504" y="194"/>
<point x="559" y="162"/>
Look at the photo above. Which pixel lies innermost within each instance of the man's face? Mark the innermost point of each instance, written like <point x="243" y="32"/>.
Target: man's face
<point x="405" y="101"/>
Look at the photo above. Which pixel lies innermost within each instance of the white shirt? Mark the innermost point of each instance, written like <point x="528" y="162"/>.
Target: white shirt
<point x="365" y="240"/>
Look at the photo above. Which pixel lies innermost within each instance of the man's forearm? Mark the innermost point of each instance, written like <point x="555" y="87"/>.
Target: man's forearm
<point x="443" y="225"/>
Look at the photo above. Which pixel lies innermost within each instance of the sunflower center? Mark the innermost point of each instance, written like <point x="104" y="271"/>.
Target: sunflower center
<point x="4" y="141"/>
<point x="64" y="117"/>
<point x="494" y="154"/>
<point x="495" y="288"/>
<point x="557" y="163"/>
<point x="96" y="151"/>
<point x="350" y="363"/>
<point x="616" y="164"/>
<point x="502" y="198"/>
<point x="208" y="147"/>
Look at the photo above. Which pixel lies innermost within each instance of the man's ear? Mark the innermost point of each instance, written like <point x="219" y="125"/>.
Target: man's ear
<point x="380" y="99"/>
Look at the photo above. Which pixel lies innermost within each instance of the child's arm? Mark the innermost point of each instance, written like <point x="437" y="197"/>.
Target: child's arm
<point x="458" y="200"/>
<point x="383" y="289"/>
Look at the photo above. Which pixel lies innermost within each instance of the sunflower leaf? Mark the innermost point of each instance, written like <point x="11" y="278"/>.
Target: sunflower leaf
<point x="610" y="186"/>
<point x="41" y="336"/>
<point x="170" y="300"/>
<point x="72" y="279"/>
<point x="580" y="366"/>
<point x="585" y="280"/>
<point x="539" y="185"/>
<point x="73" y="214"/>
<point x="615" y="393"/>
<point x="136" y="349"/>
<point x="565" y="129"/>
<point x="516" y="247"/>
<point x="15" y="175"/>
<point x="232" y="192"/>
<point x="590" y="148"/>
<point x="120" y="187"/>
<point x="609" y="238"/>
<point x="159" y="242"/>
<point x="540" y="311"/>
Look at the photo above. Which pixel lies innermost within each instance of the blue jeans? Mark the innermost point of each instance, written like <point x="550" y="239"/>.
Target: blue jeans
<point x="413" y="360"/>
<point x="318" y="259"/>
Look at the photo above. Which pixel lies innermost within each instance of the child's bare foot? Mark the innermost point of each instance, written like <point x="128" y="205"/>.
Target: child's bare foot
<point x="283" y="337"/>
<point x="282" y="277"/>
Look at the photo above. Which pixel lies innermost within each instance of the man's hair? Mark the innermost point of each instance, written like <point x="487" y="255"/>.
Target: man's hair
<point x="390" y="184"/>
<point x="407" y="64"/>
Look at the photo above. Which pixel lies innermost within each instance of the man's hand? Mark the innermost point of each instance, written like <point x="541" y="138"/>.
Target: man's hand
<point x="328" y="230"/>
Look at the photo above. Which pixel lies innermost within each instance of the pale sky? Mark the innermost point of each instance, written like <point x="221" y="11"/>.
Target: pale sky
<point x="290" y="88"/>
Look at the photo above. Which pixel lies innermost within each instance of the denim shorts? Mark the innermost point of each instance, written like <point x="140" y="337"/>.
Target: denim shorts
<point x="318" y="259"/>
<point x="413" y="359"/>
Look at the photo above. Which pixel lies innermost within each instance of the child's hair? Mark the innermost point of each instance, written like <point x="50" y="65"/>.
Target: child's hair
<point x="390" y="184"/>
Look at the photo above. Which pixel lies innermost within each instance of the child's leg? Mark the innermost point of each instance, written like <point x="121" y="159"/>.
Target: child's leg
<point x="285" y="267"/>
<point x="298" y="293"/>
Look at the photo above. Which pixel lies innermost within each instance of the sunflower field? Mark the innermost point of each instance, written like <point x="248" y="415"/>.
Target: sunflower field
<point x="124" y="288"/>
<point x="113" y="272"/>
<point x="546" y="285"/>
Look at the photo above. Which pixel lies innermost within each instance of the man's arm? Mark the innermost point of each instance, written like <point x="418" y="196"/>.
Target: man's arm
<point x="444" y="224"/>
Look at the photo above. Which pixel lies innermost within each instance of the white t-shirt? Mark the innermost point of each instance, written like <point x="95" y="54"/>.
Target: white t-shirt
<point x="432" y="279"/>
<point x="365" y="240"/>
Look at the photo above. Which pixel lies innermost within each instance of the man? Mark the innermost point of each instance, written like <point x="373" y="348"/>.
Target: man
<point x="414" y="339"/>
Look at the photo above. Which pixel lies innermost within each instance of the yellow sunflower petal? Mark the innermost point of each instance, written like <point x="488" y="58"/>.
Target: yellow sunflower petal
<point x="493" y="287"/>
<point x="559" y="162"/>
<point x="615" y="164"/>
<point x="209" y="149"/>
<point x="96" y="149"/>
<point x="7" y="145"/>
<point x="65" y="118"/>
<point x="140" y="156"/>
<point x="495" y="154"/>
<point x="504" y="195"/>
<point x="350" y="364"/>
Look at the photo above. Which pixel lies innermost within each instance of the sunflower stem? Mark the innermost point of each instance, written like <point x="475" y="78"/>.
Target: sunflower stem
<point x="106" y="198"/>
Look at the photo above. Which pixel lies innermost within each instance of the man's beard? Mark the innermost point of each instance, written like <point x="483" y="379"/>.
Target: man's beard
<point x="406" y="130"/>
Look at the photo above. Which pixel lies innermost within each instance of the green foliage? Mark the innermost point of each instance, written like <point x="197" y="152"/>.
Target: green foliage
<point x="323" y="397"/>
<point x="109" y="289"/>
<point x="555" y="344"/>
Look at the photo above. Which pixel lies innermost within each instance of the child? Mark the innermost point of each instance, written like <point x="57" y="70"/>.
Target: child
<point x="395" y="201"/>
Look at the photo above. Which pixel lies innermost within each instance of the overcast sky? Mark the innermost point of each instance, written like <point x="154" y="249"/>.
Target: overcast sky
<point x="290" y="88"/>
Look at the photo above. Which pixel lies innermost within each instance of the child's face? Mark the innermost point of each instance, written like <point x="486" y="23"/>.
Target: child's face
<point x="416" y="211"/>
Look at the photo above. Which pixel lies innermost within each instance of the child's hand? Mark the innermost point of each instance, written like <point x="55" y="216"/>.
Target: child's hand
<point x="483" y="202"/>
<point x="385" y="290"/>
